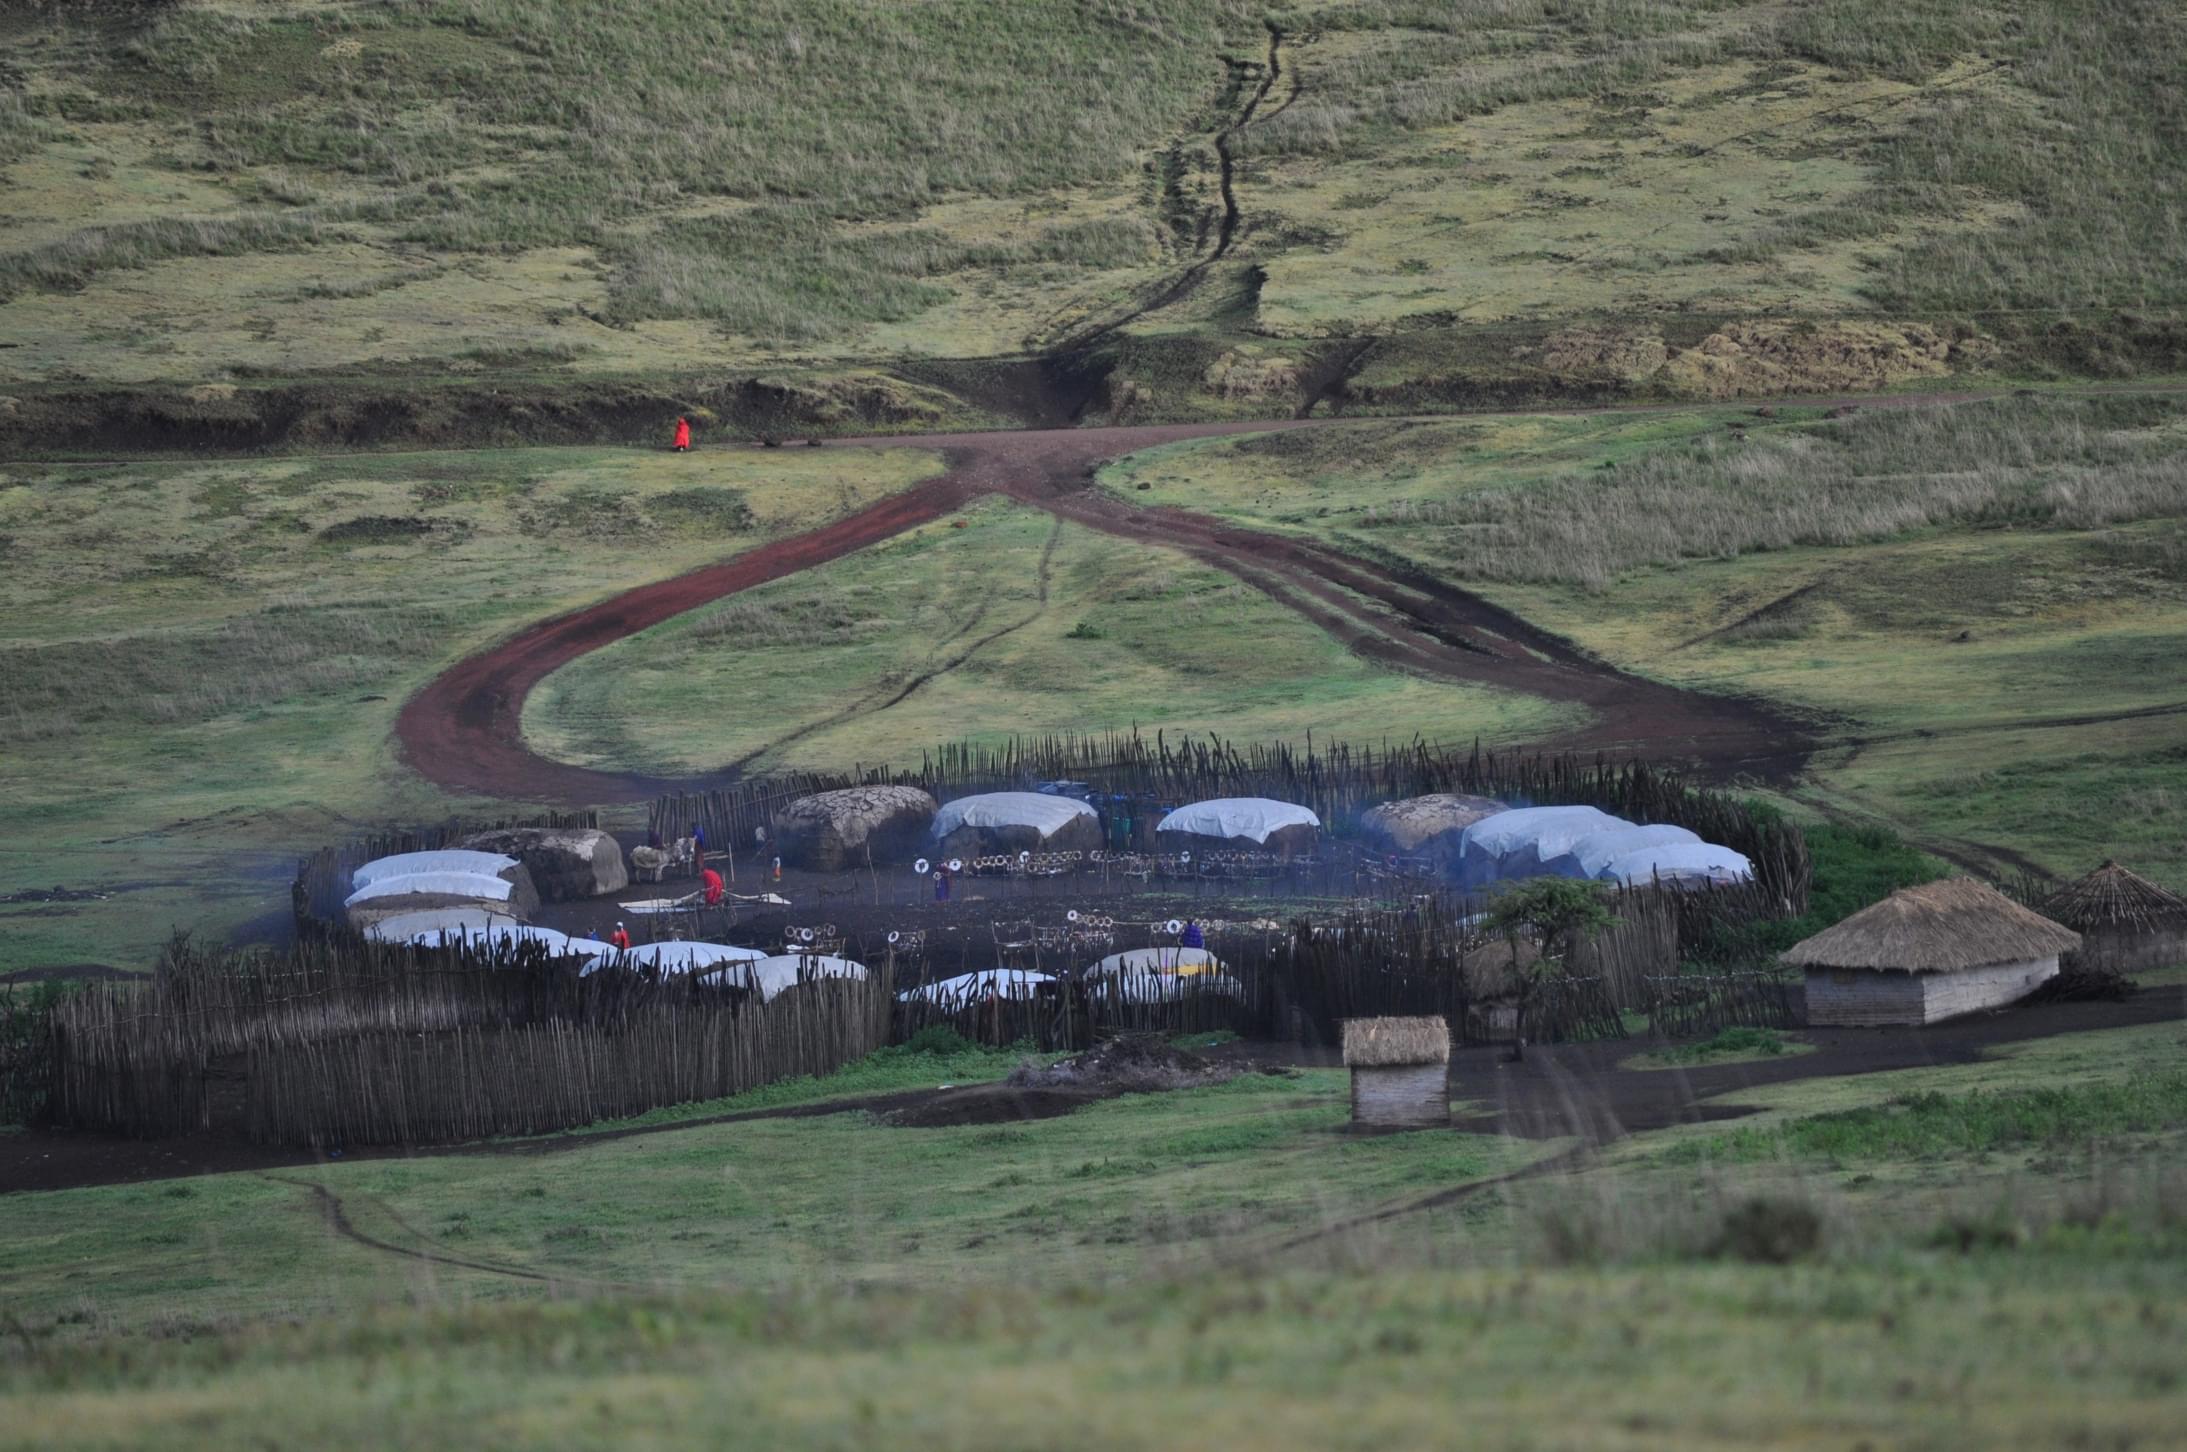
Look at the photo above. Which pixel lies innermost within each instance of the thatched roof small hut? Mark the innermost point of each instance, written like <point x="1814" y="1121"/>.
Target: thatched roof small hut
<point x="2127" y="923"/>
<point x="1927" y="953"/>
<point x="1400" y="1071"/>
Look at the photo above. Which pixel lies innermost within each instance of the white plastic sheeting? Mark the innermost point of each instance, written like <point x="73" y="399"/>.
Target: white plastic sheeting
<point x="500" y="934"/>
<point x="772" y="975"/>
<point x="672" y="958"/>
<point x="405" y="864"/>
<point x="1679" y="863"/>
<point x="1045" y="814"/>
<point x="1173" y="961"/>
<point x="1597" y="850"/>
<point x="972" y="988"/>
<point x="481" y="886"/>
<point x="409" y="927"/>
<point x="1256" y="818"/>
<point x="1519" y="842"/>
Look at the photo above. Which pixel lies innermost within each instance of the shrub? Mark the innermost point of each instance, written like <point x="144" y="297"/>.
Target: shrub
<point x="1770" y="1230"/>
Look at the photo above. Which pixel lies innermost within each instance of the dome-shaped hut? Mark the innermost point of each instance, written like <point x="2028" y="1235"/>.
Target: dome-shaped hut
<point x="1519" y="843"/>
<point x="416" y="882"/>
<point x="831" y="831"/>
<point x="1011" y="822"/>
<point x="1252" y="824"/>
<point x="2127" y="923"/>
<point x="1428" y="826"/>
<point x="1926" y="953"/>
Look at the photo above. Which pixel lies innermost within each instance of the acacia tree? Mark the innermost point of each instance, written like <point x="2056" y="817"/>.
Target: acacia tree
<point x="1554" y="914"/>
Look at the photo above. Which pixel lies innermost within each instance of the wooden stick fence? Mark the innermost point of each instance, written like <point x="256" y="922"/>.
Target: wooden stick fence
<point x="347" y="1042"/>
<point x="1697" y="1005"/>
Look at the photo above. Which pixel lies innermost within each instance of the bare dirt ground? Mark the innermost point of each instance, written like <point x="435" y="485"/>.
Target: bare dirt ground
<point x="1559" y="1090"/>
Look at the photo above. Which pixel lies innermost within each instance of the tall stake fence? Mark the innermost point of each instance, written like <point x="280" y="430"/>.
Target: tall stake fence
<point x="343" y="1042"/>
<point x="1697" y="1005"/>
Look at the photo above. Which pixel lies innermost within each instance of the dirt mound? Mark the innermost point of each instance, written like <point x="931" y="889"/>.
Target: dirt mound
<point x="1601" y="353"/>
<point x="995" y="1104"/>
<point x="1128" y="1063"/>
<point x="1247" y="373"/>
<point x="1789" y="357"/>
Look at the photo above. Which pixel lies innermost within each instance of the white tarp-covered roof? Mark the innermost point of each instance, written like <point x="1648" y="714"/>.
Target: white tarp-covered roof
<point x="967" y="988"/>
<point x="1548" y="830"/>
<point x="404" y="864"/>
<point x="772" y="975"/>
<point x="1158" y="960"/>
<point x="409" y="927"/>
<point x="499" y="934"/>
<point x="677" y="957"/>
<point x="1679" y="862"/>
<point x="1597" y="850"/>
<point x="1257" y="818"/>
<point x="482" y="886"/>
<point x="1045" y="814"/>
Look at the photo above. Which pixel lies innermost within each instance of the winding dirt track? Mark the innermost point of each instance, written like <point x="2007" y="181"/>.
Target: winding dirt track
<point x="464" y="729"/>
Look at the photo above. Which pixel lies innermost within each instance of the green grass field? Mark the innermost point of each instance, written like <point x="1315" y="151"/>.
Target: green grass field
<point x="823" y="1281"/>
<point x="1012" y="624"/>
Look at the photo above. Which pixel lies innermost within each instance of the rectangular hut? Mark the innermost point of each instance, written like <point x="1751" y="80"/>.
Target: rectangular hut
<point x="1928" y="953"/>
<point x="1400" y="1071"/>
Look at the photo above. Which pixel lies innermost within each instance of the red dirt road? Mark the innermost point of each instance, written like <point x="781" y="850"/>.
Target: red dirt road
<point x="464" y="730"/>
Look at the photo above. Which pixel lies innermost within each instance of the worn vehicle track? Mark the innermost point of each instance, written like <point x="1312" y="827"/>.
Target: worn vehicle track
<point x="464" y="730"/>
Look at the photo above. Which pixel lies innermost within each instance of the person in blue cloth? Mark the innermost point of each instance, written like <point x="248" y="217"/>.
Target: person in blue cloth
<point x="1191" y="937"/>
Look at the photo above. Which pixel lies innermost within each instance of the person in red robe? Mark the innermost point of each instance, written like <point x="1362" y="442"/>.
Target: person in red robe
<point x="714" y="889"/>
<point x="683" y="435"/>
<point x="619" y="940"/>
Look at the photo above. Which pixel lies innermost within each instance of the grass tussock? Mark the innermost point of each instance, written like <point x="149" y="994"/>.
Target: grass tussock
<point x="74" y="260"/>
<point x="1735" y="1042"/>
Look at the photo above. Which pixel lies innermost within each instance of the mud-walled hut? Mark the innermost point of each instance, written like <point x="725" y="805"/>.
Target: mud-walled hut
<point x="1400" y="1071"/>
<point x="831" y="831"/>
<point x="1927" y="953"/>
<point x="2127" y="923"/>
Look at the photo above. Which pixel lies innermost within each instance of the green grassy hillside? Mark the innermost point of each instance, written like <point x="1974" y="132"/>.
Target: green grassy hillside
<point x="1696" y="197"/>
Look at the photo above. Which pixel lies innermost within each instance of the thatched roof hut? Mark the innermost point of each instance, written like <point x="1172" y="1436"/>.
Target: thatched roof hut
<point x="1926" y="953"/>
<point x="1400" y="1071"/>
<point x="2127" y="923"/>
